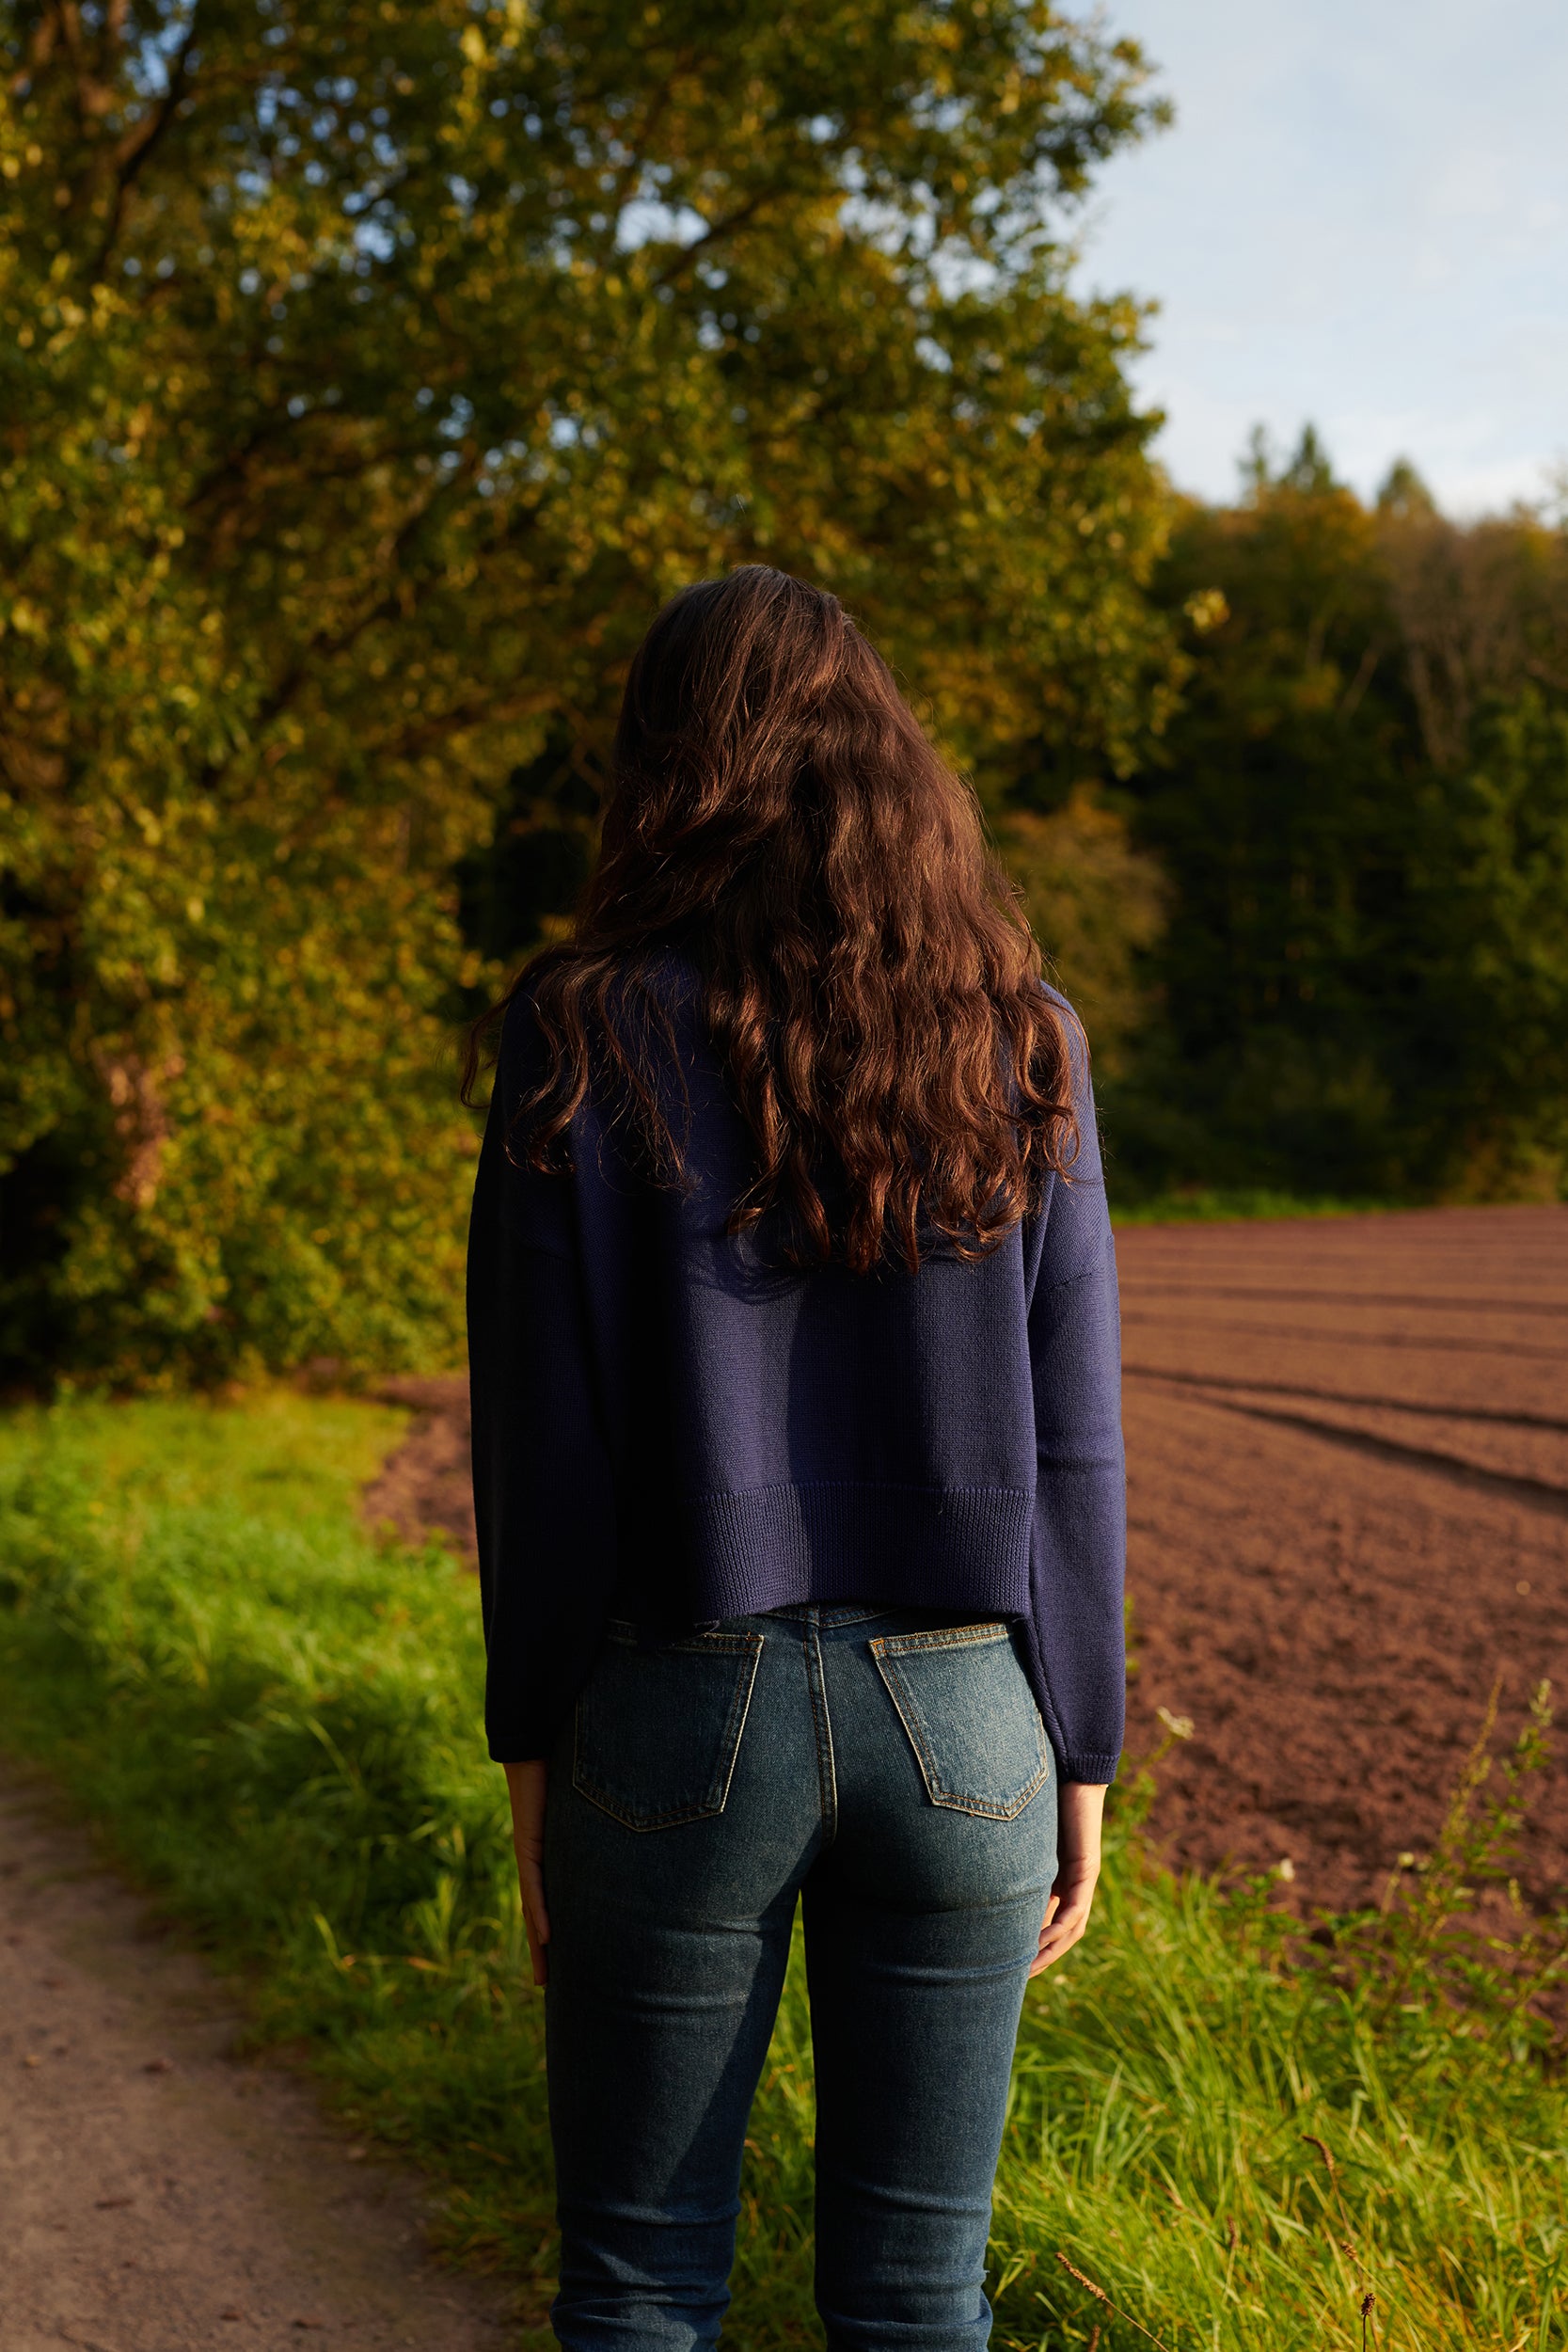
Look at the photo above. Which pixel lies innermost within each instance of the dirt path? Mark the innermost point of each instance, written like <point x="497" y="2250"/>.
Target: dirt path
<point x="426" y="1487"/>
<point x="156" y="2193"/>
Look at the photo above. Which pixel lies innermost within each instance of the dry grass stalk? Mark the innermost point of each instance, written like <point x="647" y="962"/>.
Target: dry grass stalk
<point x="1347" y="2244"/>
<point x="1100" y="2297"/>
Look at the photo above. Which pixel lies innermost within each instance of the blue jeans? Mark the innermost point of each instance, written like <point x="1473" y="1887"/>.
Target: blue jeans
<point x="891" y="1770"/>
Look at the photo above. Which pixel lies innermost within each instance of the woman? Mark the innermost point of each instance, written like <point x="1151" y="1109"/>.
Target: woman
<point x="798" y="1477"/>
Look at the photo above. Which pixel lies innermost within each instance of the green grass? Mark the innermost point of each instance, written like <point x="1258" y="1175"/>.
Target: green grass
<point x="1195" y="1204"/>
<point x="276" y="1722"/>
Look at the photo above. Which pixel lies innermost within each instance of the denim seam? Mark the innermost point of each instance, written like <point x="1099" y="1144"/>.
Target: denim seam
<point x="940" y="1637"/>
<point x="826" y="1778"/>
<point x="832" y="1613"/>
<point x="627" y="1636"/>
<point x="734" y="1730"/>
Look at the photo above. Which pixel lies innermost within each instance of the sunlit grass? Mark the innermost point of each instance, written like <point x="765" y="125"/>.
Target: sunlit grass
<point x="276" y="1721"/>
<point x="1202" y="1205"/>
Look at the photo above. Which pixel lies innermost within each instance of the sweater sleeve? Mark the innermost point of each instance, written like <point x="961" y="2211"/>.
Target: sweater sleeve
<point x="1079" y="1540"/>
<point x="543" y="1491"/>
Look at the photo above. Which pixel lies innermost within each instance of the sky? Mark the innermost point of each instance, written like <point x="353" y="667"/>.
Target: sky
<point x="1360" y="218"/>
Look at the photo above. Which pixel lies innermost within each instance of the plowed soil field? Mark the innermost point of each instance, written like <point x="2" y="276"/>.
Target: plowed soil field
<point x="1348" y="1463"/>
<point x="1348" y="1460"/>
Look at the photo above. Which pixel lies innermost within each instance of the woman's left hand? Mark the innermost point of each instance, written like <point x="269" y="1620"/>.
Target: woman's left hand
<point x="526" y="1783"/>
<point x="1080" y="1810"/>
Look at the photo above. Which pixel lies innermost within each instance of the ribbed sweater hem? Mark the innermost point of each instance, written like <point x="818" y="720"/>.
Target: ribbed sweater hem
<point x="1096" y="1771"/>
<point x="916" y="1547"/>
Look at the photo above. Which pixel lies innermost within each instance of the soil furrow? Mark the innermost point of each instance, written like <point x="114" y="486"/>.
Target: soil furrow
<point x="1336" y="1335"/>
<point x="1329" y="1592"/>
<point x="1539" y="1494"/>
<point x="1556" y="1310"/>
<point x="1345" y="1396"/>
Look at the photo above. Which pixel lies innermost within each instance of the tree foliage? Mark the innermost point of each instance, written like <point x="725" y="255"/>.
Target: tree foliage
<point x="366" y="376"/>
<point x="1362" y="813"/>
<point x="1097" y="904"/>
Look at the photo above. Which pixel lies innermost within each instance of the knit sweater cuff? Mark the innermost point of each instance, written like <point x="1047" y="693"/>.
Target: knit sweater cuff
<point x="1096" y="1772"/>
<point x="521" y="1735"/>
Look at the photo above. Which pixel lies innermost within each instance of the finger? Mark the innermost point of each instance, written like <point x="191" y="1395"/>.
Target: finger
<point x="1071" y="1918"/>
<point x="536" y="1921"/>
<point x="1056" y="1950"/>
<point x="533" y="1903"/>
<point x="1053" y="1915"/>
<point x="537" y="1930"/>
<point x="1060" y="1936"/>
<point x="1069" y="1899"/>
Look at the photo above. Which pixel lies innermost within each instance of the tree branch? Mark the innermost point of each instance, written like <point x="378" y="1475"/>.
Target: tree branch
<point x="142" y="139"/>
<point x="714" y="234"/>
<point x="425" y="734"/>
<point x="323" y="643"/>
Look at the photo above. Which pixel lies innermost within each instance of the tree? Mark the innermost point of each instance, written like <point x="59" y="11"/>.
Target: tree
<point x="1280" y="806"/>
<point x="366" y="376"/>
<point x="1494" y="892"/>
<point x="1361" y="814"/>
<point x="1096" y="905"/>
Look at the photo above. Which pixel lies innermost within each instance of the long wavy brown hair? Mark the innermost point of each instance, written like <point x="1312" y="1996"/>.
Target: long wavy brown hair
<point x="866" y="973"/>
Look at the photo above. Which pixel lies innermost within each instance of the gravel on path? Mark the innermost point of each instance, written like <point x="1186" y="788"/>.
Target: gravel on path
<point x="157" y="2192"/>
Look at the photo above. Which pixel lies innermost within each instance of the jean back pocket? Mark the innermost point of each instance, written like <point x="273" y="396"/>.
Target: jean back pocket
<point x="965" y="1702"/>
<point x="658" y="1725"/>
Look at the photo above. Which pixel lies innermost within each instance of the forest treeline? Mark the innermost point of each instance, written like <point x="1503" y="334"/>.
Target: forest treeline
<point x="367" y="381"/>
<point x="1359" y="818"/>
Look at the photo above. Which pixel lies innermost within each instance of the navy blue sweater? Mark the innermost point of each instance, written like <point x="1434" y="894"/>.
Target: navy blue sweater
<point x="668" y="1419"/>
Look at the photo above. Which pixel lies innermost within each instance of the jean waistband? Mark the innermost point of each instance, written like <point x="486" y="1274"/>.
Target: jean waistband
<point x="834" y="1613"/>
<point x="825" y="1615"/>
<point x="822" y="1615"/>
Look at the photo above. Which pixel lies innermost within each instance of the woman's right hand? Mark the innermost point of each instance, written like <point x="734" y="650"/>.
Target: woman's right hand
<point x="526" y="1784"/>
